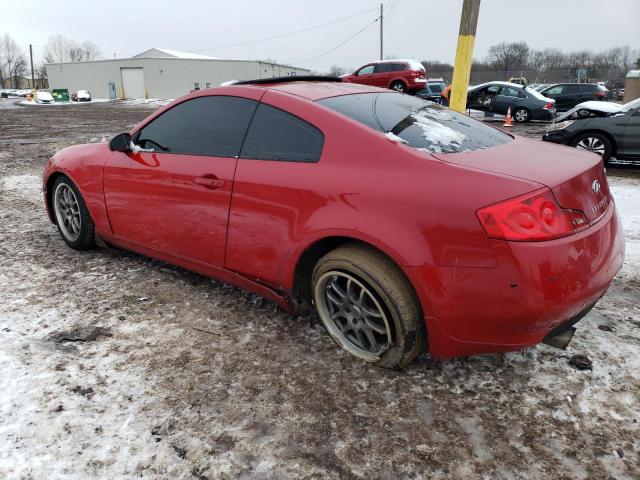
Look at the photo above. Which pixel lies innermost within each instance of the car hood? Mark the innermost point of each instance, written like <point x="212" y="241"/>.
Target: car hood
<point x="568" y="172"/>
<point x="595" y="108"/>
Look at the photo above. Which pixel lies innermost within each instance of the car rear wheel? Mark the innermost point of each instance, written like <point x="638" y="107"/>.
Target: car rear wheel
<point x="398" y="86"/>
<point x="72" y="217"/>
<point x="368" y="306"/>
<point x="594" y="142"/>
<point x="521" y="115"/>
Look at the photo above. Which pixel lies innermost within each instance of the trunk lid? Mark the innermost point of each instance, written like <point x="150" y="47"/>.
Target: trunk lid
<point x="575" y="177"/>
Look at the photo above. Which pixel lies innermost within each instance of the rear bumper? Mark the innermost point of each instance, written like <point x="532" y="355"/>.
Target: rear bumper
<point x="537" y="287"/>
<point x="416" y="83"/>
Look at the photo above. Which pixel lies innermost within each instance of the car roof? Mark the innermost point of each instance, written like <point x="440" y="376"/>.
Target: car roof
<point x="504" y="84"/>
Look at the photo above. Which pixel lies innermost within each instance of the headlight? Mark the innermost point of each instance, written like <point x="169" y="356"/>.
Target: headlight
<point x="560" y="125"/>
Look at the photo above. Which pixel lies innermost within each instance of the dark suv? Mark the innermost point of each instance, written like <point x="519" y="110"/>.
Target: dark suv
<point x="568" y="95"/>
<point x="399" y="75"/>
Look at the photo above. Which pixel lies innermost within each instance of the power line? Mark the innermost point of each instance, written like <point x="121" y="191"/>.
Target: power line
<point x="339" y="45"/>
<point x="302" y="30"/>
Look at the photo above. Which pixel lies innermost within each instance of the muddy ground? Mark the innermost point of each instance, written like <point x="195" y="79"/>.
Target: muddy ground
<point x="191" y="378"/>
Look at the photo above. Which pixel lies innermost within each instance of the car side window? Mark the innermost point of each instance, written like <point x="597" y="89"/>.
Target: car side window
<point x="493" y="89"/>
<point x="511" y="92"/>
<point x="365" y="70"/>
<point x="557" y="90"/>
<point x="383" y="68"/>
<point x="572" y="89"/>
<point x="399" y="67"/>
<point x="213" y="126"/>
<point x="277" y="135"/>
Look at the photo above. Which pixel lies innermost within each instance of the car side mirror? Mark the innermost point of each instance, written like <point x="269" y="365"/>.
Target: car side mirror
<point x="120" y="143"/>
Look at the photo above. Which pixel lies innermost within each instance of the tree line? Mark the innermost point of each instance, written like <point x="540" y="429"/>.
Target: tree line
<point x="14" y="60"/>
<point x="506" y="59"/>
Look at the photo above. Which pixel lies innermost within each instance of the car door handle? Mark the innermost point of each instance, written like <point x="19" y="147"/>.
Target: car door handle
<point x="210" y="182"/>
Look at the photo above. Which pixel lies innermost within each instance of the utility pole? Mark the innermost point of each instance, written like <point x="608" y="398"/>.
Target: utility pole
<point x="33" y="75"/>
<point x="464" y="55"/>
<point x="381" y="29"/>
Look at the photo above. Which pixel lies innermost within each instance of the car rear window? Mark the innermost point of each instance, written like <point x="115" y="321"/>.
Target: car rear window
<point x="416" y="122"/>
<point x="435" y="87"/>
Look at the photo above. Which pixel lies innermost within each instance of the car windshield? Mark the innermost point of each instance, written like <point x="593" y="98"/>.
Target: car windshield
<point x="436" y="87"/>
<point x="417" y="123"/>
<point x="631" y="105"/>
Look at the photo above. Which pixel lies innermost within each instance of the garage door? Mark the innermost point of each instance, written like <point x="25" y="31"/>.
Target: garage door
<point x="133" y="82"/>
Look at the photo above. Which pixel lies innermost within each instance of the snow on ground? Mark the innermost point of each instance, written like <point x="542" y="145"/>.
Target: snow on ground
<point x="190" y="378"/>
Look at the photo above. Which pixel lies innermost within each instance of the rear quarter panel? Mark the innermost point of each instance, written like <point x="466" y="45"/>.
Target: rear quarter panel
<point x="417" y="209"/>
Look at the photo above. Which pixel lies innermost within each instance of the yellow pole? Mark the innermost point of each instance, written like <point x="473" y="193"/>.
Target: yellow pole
<point x="464" y="55"/>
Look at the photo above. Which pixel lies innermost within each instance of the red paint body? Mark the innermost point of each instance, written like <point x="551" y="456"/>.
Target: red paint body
<point x="478" y="294"/>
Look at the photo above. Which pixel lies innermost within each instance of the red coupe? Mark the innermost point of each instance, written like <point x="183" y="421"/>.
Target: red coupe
<point x="405" y="224"/>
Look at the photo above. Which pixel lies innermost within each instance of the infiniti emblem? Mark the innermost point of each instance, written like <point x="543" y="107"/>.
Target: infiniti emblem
<point x="595" y="186"/>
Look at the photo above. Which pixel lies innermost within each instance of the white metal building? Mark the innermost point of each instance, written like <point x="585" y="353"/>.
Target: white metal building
<point x="159" y="73"/>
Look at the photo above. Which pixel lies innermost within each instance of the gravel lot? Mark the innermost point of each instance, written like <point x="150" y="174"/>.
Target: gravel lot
<point x="190" y="378"/>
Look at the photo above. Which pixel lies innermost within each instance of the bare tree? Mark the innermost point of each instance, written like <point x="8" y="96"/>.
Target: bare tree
<point x="638" y="62"/>
<point x="336" y="71"/>
<point x="13" y="61"/>
<point x="509" y="56"/>
<point x="60" y="49"/>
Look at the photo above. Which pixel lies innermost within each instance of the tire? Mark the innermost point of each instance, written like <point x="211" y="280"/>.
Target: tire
<point x="388" y="311"/>
<point x="594" y="142"/>
<point x="398" y="86"/>
<point x="521" y="115"/>
<point x="71" y="215"/>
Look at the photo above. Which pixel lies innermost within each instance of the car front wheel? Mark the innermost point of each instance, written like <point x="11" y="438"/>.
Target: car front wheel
<point x="71" y="214"/>
<point x="594" y="142"/>
<point x="368" y="306"/>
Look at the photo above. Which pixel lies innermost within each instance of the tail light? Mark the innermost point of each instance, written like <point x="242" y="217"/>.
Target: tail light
<point x="600" y="94"/>
<point x="549" y="106"/>
<point x="418" y="74"/>
<point x="535" y="216"/>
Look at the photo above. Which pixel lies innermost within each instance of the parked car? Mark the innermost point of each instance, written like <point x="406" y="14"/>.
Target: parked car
<point x="568" y="95"/>
<point x="399" y="75"/>
<point x="526" y="104"/>
<point x="402" y="222"/>
<point x="43" y="97"/>
<point x="432" y="91"/>
<point x="608" y="129"/>
<point x="81" y="96"/>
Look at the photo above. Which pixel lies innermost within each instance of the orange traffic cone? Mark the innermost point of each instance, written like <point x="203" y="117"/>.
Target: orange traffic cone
<point x="507" y="122"/>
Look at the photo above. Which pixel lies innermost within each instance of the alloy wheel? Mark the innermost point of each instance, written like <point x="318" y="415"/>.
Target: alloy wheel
<point x="67" y="211"/>
<point x="521" y="115"/>
<point x="592" y="144"/>
<point x="353" y="314"/>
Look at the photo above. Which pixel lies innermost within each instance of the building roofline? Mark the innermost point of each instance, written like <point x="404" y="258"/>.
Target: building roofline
<point x="137" y="59"/>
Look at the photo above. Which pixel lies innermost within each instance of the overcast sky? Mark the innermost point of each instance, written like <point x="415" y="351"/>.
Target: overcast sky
<point x="418" y="29"/>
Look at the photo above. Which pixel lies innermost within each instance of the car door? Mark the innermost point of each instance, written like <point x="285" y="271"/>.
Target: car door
<point x="174" y="198"/>
<point x="365" y="75"/>
<point x="382" y="74"/>
<point x="275" y="188"/>
<point x="484" y="98"/>
<point x="508" y="97"/>
<point x="628" y="134"/>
